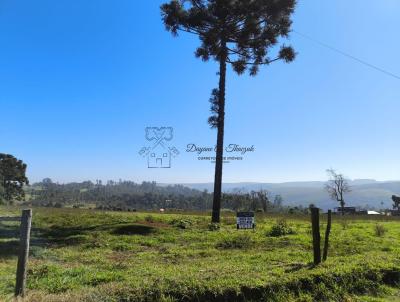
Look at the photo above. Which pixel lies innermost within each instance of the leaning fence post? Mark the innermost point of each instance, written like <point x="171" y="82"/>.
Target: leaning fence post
<point x="25" y="234"/>
<point x="328" y="230"/>
<point x="316" y="235"/>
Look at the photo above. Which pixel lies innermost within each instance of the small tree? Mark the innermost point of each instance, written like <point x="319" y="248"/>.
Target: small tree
<point x="263" y="196"/>
<point x="336" y="187"/>
<point x="278" y="201"/>
<point x="235" y="32"/>
<point x="396" y="202"/>
<point x="12" y="177"/>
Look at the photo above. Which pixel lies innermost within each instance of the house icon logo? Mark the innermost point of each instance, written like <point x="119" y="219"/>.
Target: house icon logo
<point x="160" y="153"/>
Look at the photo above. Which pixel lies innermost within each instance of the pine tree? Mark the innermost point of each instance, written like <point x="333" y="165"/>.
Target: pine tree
<point x="240" y="33"/>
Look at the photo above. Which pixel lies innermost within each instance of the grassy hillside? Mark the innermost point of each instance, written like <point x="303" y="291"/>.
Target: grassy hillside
<point x="83" y="255"/>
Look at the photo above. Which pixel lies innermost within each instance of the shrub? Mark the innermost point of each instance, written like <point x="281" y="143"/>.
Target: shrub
<point x="380" y="230"/>
<point x="238" y="242"/>
<point x="213" y="226"/>
<point x="281" y="228"/>
<point x="182" y="223"/>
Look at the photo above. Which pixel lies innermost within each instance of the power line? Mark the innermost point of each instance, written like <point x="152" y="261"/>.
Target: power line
<point x="348" y="55"/>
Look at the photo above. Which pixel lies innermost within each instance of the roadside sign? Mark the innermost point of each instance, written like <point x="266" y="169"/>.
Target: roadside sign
<point x="245" y="220"/>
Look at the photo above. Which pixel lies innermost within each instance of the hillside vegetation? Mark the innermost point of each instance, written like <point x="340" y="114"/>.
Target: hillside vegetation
<point x="368" y="194"/>
<point x="365" y="193"/>
<point x="86" y="255"/>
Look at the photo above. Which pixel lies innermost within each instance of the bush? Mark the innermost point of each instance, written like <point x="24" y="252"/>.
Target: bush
<point x="213" y="226"/>
<point x="281" y="228"/>
<point x="238" y="242"/>
<point x="380" y="230"/>
<point x="182" y="223"/>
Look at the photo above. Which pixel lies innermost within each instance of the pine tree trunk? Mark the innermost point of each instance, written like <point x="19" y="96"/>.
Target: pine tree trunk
<point x="220" y="137"/>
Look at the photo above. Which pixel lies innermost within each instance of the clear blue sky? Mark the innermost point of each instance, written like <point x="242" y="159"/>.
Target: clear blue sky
<point x="80" y="80"/>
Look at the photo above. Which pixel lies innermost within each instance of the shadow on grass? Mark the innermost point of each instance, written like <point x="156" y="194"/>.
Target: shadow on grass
<point x="9" y="231"/>
<point x="66" y="236"/>
<point x="299" y="266"/>
<point x="9" y="240"/>
<point x="134" y="229"/>
<point x="61" y="236"/>
<point x="9" y="248"/>
<point x="70" y="235"/>
<point x="40" y="238"/>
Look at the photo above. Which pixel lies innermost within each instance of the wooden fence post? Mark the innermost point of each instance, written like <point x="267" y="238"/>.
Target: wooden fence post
<point x="328" y="230"/>
<point x="25" y="234"/>
<point x="316" y="235"/>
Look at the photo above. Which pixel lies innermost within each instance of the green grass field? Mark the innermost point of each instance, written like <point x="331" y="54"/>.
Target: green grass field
<point x="86" y="255"/>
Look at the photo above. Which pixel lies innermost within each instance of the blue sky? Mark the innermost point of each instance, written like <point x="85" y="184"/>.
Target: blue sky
<point x="80" y="80"/>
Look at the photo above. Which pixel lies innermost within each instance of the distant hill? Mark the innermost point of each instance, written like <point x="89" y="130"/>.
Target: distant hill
<point x="367" y="193"/>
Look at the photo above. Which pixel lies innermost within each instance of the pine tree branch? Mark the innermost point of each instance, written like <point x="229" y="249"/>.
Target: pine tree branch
<point x="255" y="63"/>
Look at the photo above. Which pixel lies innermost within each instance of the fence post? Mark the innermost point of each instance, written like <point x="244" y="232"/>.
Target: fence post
<point x="328" y="230"/>
<point x="25" y="234"/>
<point x="316" y="235"/>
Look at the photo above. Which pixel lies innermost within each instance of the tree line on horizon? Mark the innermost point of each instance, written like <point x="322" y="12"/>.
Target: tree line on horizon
<point x="124" y="195"/>
<point x="128" y="195"/>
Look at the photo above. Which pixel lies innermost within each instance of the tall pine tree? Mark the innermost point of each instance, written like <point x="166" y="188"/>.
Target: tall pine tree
<point x="240" y="33"/>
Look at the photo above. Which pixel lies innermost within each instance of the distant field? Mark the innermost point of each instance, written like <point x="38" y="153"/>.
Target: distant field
<point x="86" y="255"/>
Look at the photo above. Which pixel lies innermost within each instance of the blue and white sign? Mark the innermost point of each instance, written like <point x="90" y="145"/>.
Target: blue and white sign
<point x="245" y="220"/>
